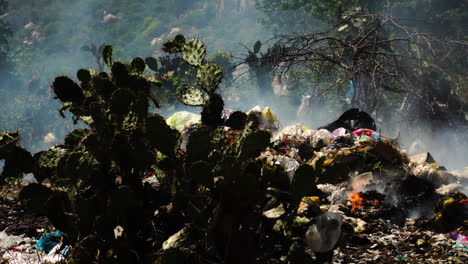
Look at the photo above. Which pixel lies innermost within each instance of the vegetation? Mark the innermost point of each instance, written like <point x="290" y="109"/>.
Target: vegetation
<point x="207" y="206"/>
<point x="386" y="51"/>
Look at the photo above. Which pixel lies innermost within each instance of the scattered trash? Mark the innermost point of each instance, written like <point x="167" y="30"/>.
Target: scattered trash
<point x="9" y="241"/>
<point x="339" y="132"/>
<point x="49" y="240"/>
<point x="424" y="157"/>
<point x="266" y="117"/>
<point x="369" y="134"/>
<point x="57" y="254"/>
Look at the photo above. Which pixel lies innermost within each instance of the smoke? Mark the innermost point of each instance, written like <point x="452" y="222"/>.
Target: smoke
<point x="48" y="36"/>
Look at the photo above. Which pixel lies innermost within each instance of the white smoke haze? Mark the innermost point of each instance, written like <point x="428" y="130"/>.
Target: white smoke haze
<point x="80" y="23"/>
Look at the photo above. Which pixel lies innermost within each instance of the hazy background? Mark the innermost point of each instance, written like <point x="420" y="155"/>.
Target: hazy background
<point x="46" y="37"/>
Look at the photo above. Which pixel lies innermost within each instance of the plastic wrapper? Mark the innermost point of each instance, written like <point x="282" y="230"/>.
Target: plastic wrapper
<point x="429" y="173"/>
<point x="369" y="134"/>
<point x="295" y="135"/>
<point x="267" y="118"/>
<point x="320" y="137"/>
<point x="290" y="165"/>
<point x="339" y="132"/>
<point x="323" y="235"/>
<point x="183" y="119"/>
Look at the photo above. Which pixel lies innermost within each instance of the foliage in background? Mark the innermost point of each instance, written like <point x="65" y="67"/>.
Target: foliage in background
<point x="389" y="52"/>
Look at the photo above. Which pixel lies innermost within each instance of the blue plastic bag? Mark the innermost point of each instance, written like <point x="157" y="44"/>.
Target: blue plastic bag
<point x="49" y="240"/>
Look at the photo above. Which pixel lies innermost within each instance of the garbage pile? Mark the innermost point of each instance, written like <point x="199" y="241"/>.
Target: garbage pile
<point x="374" y="203"/>
<point x="23" y="238"/>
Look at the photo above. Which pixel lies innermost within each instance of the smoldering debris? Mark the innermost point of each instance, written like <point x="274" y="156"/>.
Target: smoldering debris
<point x="372" y="203"/>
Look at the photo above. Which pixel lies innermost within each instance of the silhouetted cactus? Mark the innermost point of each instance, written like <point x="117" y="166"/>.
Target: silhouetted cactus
<point x="206" y="199"/>
<point x="137" y="67"/>
<point x="67" y="90"/>
<point x="107" y="55"/>
<point x="212" y="110"/>
<point x="152" y="63"/>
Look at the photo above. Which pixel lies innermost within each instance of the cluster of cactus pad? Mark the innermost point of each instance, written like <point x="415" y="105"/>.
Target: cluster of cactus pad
<point x="206" y="206"/>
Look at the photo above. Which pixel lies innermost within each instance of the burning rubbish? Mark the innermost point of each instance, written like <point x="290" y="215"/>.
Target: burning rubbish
<point x="345" y="192"/>
<point x="388" y="201"/>
<point x="373" y="203"/>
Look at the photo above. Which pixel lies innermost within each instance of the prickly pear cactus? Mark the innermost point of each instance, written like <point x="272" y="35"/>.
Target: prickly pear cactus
<point x="137" y="67"/>
<point x="152" y="63"/>
<point x="67" y="90"/>
<point x="193" y="96"/>
<point x="194" y="52"/>
<point x="209" y="77"/>
<point x="107" y="55"/>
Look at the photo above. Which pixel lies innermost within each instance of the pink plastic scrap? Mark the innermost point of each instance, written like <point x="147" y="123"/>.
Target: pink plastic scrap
<point x="339" y="132"/>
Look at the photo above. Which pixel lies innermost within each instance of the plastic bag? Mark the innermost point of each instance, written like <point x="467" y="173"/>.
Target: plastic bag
<point x="295" y="135"/>
<point x="267" y="118"/>
<point x="323" y="235"/>
<point x="182" y="119"/>
<point x="321" y="137"/>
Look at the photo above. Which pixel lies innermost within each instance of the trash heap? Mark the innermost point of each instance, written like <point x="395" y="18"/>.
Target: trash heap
<point x="373" y="203"/>
<point x="370" y="202"/>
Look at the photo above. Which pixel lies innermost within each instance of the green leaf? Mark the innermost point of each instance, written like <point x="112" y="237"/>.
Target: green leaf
<point x="67" y="90"/>
<point x="179" y="40"/>
<point x="137" y="67"/>
<point x="194" y="52"/>
<point x="193" y="96"/>
<point x="199" y="144"/>
<point x="17" y="162"/>
<point x="35" y="197"/>
<point x="83" y="75"/>
<point x="209" y="77"/>
<point x="107" y="55"/>
<point x="47" y="162"/>
<point x="8" y="142"/>
<point x="74" y="137"/>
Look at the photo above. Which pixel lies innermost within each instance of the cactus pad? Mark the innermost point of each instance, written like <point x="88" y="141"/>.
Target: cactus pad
<point x="193" y="96"/>
<point x="67" y="90"/>
<point x="209" y="77"/>
<point x="137" y="66"/>
<point x="107" y="55"/>
<point x="194" y="52"/>
<point x="152" y="63"/>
